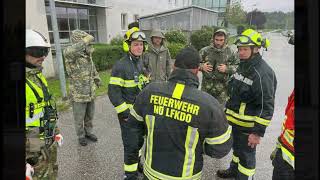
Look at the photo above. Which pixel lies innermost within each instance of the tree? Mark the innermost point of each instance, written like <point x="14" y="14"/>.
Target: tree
<point x="256" y="18"/>
<point x="235" y="14"/>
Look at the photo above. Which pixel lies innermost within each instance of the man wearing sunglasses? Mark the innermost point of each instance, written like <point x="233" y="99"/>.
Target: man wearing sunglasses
<point x="42" y="134"/>
<point x="219" y="62"/>
<point x="126" y="82"/>
<point x="84" y="80"/>
<point x="251" y="105"/>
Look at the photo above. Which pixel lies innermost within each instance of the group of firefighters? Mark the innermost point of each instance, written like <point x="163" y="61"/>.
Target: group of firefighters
<point x="161" y="110"/>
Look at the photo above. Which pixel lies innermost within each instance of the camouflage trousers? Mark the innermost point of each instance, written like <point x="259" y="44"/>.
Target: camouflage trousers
<point x="216" y="89"/>
<point x="42" y="159"/>
<point x="46" y="167"/>
<point x="83" y="113"/>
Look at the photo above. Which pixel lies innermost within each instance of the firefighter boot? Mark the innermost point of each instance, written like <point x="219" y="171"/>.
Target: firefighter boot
<point x="228" y="173"/>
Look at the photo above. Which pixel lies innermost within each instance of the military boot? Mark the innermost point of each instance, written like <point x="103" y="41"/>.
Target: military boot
<point x="82" y="141"/>
<point x="92" y="137"/>
<point x="228" y="173"/>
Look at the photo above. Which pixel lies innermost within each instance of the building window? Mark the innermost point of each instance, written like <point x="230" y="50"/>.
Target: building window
<point x="124" y="21"/>
<point x="71" y="18"/>
<point x="135" y="17"/>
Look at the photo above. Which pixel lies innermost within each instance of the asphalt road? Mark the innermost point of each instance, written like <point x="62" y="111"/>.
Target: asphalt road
<point x="104" y="159"/>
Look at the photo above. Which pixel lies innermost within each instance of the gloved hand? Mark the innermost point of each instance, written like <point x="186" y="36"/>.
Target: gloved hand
<point x="29" y="171"/>
<point x="87" y="39"/>
<point x="273" y="154"/>
<point x="89" y="49"/>
<point x="98" y="82"/>
<point x="59" y="139"/>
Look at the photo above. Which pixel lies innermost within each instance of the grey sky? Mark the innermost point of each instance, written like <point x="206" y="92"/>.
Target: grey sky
<point x="268" y="5"/>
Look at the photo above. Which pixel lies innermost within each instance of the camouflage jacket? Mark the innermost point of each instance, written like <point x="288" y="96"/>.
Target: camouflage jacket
<point x="81" y="71"/>
<point x="219" y="56"/>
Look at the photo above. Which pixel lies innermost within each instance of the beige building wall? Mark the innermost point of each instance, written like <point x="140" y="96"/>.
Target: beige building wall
<point x="131" y="8"/>
<point x="36" y="19"/>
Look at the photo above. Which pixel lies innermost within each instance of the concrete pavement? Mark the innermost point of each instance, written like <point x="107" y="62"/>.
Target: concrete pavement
<point x="104" y="159"/>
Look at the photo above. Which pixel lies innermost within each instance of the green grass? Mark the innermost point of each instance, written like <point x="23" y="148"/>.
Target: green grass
<point x="63" y="105"/>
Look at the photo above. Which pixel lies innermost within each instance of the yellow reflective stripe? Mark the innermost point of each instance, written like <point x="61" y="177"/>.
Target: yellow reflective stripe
<point x="157" y="175"/>
<point x="242" y="108"/>
<point x="247" y="172"/>
<point x="240" y="116"/>
<point x="220" y="139"/>
<point x="288" y="137"/>
<point x="240" y="123"/>
<point x="149" y="176"/>
<point x="150" y="120"/>
<point x="287" y="156"/>
<point x="178" y="91"/>
<point x="190" y="147"/>
<point x="116" y="81"/>
<point x="262" y="121"/>
<point x="235" y="159"/>
<point x="130" y="83"/>
<point x="122" y="107"/>
<point x="34" y="118"/>
<point x="130" y="168"/>
<point x="135" y="115"/>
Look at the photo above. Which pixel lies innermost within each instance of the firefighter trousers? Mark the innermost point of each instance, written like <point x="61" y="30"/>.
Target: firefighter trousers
<point x="244" y="157"/>
<point x="130" y="168"/>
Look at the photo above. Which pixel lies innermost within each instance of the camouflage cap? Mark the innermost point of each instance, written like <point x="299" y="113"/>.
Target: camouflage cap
<point x="77" y="35"/>
<point x="220" y="30"/>
<point x="156" y="33"/>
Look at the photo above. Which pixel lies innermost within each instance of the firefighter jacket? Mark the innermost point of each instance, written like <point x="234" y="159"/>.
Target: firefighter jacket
<point x="181" y="124"/>
<point x="286" y="139"/>
<point x="126" y="82"/>
<point x="252" y="92"/>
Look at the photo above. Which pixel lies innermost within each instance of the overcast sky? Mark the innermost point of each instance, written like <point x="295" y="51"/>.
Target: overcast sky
<point x="268" y="5"/>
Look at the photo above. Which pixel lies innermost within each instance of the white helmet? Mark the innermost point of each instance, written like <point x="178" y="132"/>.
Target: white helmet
<point x="34" y="38"/>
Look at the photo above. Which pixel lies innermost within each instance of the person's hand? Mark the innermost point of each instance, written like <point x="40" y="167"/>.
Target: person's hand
<point x="29" y="171"/>
<point x="207" y="67"/>
<point x="59" y="139"/>
<point x="98" y="82"/>
<point x="87" y="39"/>
<point x="253" y="140"/>
<point x="222" y="68"/>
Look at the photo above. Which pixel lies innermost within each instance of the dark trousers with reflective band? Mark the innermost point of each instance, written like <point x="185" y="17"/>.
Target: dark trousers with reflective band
<point x="83" y="113"/>
<point x="281" y="169"/>
<point x="244" y="157"/>
<point x="129" y="158"/>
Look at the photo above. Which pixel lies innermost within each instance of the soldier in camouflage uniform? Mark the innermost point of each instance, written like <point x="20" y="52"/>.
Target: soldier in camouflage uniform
<point x="218" y="63"/>
<point x="84" y="79"/>
<point x="42" y="134"/>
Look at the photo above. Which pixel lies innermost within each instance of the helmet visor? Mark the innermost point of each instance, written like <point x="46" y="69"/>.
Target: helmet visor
<point x="37" y="52"/>
<point x="138" y="36"/>
<point x="242" y="40"/>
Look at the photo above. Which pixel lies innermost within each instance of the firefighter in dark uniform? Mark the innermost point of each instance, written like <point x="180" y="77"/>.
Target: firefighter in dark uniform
<point x="250" y="107"/>
<point x="181" y="124"/>
<point x="126" y="81"/>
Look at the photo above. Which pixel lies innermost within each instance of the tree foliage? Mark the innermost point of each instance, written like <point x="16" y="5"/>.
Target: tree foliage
<point x="279" y="20"/>
<point x="256" y="18"/>
<point x="235" y="14"/>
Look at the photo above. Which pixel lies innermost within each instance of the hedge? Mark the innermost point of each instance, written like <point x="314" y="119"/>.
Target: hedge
<point x="106" y="55"/>
<point x="176" y="37"/>
<point x="174" y="48"/>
